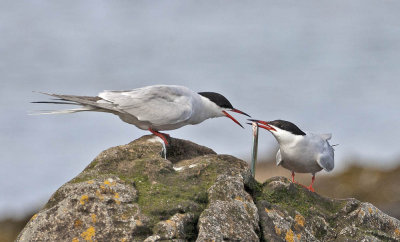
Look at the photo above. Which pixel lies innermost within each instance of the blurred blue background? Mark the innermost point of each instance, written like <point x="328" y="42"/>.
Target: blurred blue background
<point x="326" y="66"/>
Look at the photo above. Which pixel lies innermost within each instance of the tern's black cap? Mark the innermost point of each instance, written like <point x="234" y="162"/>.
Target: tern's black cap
<point x="217" y="99"/>
<point x="288" y="126"/>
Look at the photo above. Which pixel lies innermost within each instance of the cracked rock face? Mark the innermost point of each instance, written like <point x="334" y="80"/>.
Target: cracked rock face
<point x="231" y="213"/>
<point x="130" y="193"/>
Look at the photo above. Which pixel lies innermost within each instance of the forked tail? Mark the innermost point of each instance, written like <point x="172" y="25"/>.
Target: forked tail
<point x="86" y="103"/>
<point x="64" y="111"/>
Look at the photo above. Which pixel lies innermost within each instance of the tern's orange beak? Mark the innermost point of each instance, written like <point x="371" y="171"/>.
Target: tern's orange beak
<point x="233" y="119"/>
<point x="263" y="124"/>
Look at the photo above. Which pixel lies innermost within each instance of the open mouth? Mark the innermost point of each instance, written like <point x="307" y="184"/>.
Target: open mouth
<point x="233" y="119"/>
<point x="263" y="124"/>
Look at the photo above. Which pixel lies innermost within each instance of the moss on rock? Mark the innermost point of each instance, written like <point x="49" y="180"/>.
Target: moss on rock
<point x="131" y="193"/>
<point x="289" y="210"/>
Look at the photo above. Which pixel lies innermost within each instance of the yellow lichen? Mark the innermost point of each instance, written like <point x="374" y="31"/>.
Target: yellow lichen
<point x="138" y="223"/>
<point x="369" y="209"/>
<point x="170" y="222"/>
<point x="267" y="210"/>
<point x="34" y="216"/>
<point x="239" y="199"/>
<point x="289" y="236"/>
<point x="300" y="221"/>
<point x="84" y="199"/>
<point x="99" y="195"/>
<point x="110" y="182"/>
<point x="94" y="217"/>
<point x="116" y="198"/>
<point x="397" y="232"/>
<point x="299" y="236"/>
<point x="123" y="240"/>
<point x="77" y="223"/>
<point x="75" y="240"/>
<point x="88" y="234"/>
<point x="278" y="231"/>
<point x="90" y="182"/>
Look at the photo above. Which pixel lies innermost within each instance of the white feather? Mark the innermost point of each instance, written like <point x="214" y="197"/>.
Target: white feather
<point x="65" y="111"/>
<point x="308" y="153"/>
<point x="160" y="107"/>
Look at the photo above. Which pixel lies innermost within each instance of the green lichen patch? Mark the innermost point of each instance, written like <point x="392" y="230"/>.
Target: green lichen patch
<point x="174" y="193"/>
<point x="162" y="191"/>
<point x="296" y="198"/>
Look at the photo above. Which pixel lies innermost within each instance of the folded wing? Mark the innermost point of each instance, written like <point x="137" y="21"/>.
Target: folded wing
<point x="156" y="104"/>
<point x="326" y="159"/>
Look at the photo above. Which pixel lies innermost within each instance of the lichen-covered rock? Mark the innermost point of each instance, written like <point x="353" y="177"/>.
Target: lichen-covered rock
<point x="98" y="208"/>
<point x="177" y="227"/>
<point x="131" y="193"/>
<point x="231" y="213"/>
<point x="289" y="212"/>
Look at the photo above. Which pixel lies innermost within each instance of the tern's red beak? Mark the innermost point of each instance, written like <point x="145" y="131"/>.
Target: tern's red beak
<point x="233" y="119"/>
<point x="238" y="111"/>
<point x="263" y="124"/>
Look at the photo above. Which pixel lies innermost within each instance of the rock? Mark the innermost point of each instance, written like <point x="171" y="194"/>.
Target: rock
<point x="289" y="212"/>
<point x="231" y="213"/>
<point x="178" y="226"/>
<point x="130" y="193"/>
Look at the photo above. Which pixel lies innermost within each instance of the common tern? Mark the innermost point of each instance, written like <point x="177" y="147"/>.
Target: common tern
<point x="299" y="151"/>
<point x="154" y="108"/>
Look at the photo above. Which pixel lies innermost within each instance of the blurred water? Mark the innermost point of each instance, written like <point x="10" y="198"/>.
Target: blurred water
<point x="327" y="66"/>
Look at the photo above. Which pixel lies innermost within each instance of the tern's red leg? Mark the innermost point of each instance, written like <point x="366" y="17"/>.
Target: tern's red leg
<point x="312" y="182"/>
<point x="309" y="188"/>
<point x="161" y="135"/>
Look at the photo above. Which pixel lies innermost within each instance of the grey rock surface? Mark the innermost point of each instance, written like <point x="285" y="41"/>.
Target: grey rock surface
<point x="130" y="193"/>
<point x="231" y="212"/>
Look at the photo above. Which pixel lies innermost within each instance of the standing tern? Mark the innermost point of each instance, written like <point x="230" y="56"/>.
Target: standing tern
<point x="299" y="151"/>
<point x="153" y="108"/>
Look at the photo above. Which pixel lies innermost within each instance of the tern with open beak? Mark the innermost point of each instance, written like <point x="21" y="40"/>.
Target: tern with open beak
<point x="299" y="151"/>
<point x="154" y="108"/>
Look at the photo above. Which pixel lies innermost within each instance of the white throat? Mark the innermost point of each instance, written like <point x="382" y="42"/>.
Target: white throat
<point x="285" y="137"/>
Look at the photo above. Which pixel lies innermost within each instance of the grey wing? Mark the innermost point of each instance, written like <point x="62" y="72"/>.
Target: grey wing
<point x="278" y="157"/>
<point x="326" y="159"/>
<point x="157" y="104"/>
